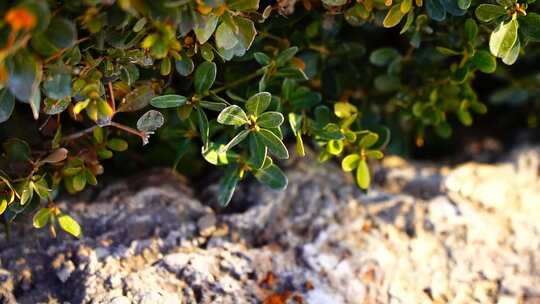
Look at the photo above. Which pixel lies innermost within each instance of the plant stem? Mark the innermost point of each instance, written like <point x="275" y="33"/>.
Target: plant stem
<point x="141" y="134"/>
<point x="78" y="134"/>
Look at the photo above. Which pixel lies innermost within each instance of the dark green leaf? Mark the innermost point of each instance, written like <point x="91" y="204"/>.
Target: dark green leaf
<point x="273" y="177"/>
<point x="286" y="55"/>
<point x="383" y="56"/>
<point x="484" y="61"/>
<point x="7" y="103"/>
<point x="61" y="32"/>
<point x="228" y="185"/>
<point x="270" y="120"/>
<point x="529" y="25"/>
<point x="58" y="86"/>
<point x="205" y="75"/>
<point x="204" y="128"/>
<point x="168" y="101"/>
<point x="24" y="76"/>
<point x="257" y="151"/>
<point x="489" y="12"/>
<point x="184" y="66"/>
<point x="117" y="144"/>
<point x="273" y="143"/>
<point x="258" y="103"/>
<point x="435" y="10"/>
<point x="238" y="138"/>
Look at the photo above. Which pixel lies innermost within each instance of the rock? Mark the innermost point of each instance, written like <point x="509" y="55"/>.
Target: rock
<point x="423" y="234"/>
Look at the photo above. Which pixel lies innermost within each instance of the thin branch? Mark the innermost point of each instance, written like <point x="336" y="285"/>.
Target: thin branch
<point x="78" y="134"/>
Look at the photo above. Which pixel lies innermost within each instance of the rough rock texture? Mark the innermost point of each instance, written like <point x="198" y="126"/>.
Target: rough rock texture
<point x="424" y="234"/>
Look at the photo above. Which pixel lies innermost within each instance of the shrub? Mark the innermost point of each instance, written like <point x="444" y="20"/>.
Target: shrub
<point x="225" y="82"/>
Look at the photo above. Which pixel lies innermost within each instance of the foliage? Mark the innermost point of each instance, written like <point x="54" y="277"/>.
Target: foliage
<point x="223" y="76"/>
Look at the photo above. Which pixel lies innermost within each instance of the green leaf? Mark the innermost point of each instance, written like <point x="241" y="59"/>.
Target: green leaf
<point x="137" y="99"/>
<point x="286" y="55"/>
<point x="503" y="38"/>
<point x="41" y="187"/>
<point x="387" y="83"/>
<point x="232" y="115"/>
<point x="61" y="32"/>
<point x="238" y="138"/>
<point x="262" y="58"/>
<point x="374" y="154"/>
<point x="3" y="204"/>
<point x="334" y="2"/>
<point x="368" y="140"/>
<point x="204" y="128"/>
<point x="26" y="192"/>
<point x="405" y="6"/>
<point x="273" y="143"/>
<point x="117" y="144"/>
<point x="258" y="103"/>
<point x="363" y="177"/>
<point x="184" y="66"/>
<point x="246" y="31"/>
<point x="471" y="29"/>
<point x="465" y="117"/>
<point x="383" y="56"/>
<point x="24" y="76"/>
<point x="168" y="101"/>
<point x="464" y="4"/>
<point x="300" y="145"/>
<point x="257" y="151"/>
<point x="435" y="10"/>
<point x="228" y="185"/>
<point x="7" y="103"/>
<point x="58" y="86"/>
<point x="150" y="121"/>
<point x="447" y="51"/>
<point x="350" y="162"/>
<point x="205" y="75"/>
<point x="513" y="54"/>
<point x="393" y="17"/>
<point x="334" y="147"/>
<point x="225" y="36"/>
<point x="213" y="106"/>
<point x="79" y="181"/>
<point x="269" y="120"/>
<point x="484" y="61"/>
<point x="295" y="121"/>
<point x="69" y="225"/>
<point x="489" y="12"/>
<point x="209" y="26"/>
<point x="55" y="106"/>
<point x="529" y="25"/>
<point x="17" y="150"/>
<point x="41" y="218"/>
<point x="444" y="130"/>
<point x="273" y="177"/>
<point x="243" y="5"/>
